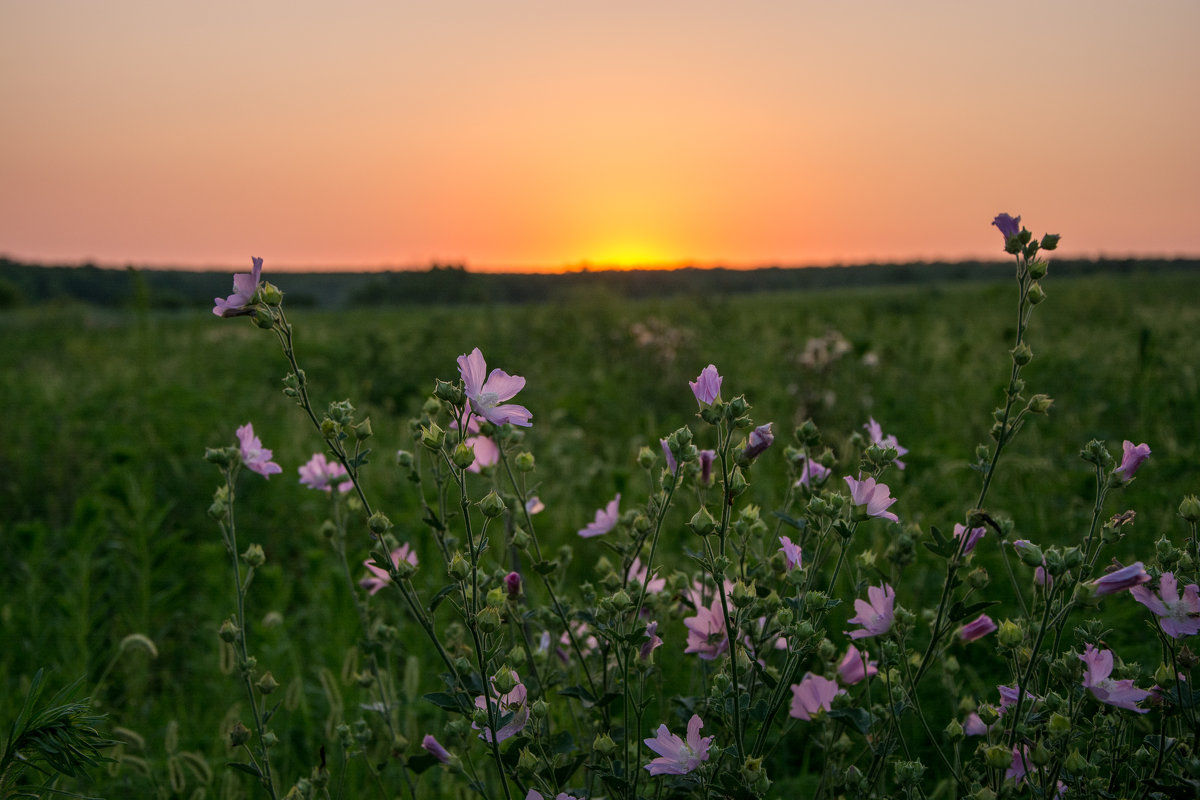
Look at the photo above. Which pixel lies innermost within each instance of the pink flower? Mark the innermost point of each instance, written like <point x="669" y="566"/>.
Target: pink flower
<point x="974" y="726"/>
<point x="534" y="794"/>
<point x="672" y="465"/>
<point x="875" y="496"/>
<point x="1008" y="697"/>
<point x="677" y="757"/>
<point x="534" y="505"/>
<point x="379" y="576"/>
<point x="811" y="472"/>
<point x="1008" y="226"/>
<point x="852" y="669"/>
<point x="875" y="431"/>
<point x="636" y="574"/>
<point x="973" y="536"/>
<point x="791" y="553"/>
<point x="320" y="473"/>
<point x="254" y="456"/>
<point x="511" y="706"/>
<point x="1131" y="459"/>
<point x="1121" y="694"/>
<point x="605" y="521"/>
<point x="487" y="396"/>
<point x="512" y="585"/>
<point x="706" y="464"/>
<point x="484" y="447"/>
<point x="976" y="629"/>
<point x="653" y="641"/>
<point x="707" y="636"/>
<point x="707" y="386"/>
<point x="586" y="641"/>
<point x="244" y="287"/>
<point x="1178" y="617"/>
<point x="434" y="748"/>
<point x="876" y="616"/>
<point x="759" y="440"/>
<point x="1121" y="579"/>
<point x="811" y="695"/>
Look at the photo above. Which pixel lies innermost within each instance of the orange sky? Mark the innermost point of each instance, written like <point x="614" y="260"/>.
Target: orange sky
<point x="542" y="134"/>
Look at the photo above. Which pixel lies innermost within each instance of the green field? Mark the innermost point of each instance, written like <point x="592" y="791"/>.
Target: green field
<point x="104" y="487"/>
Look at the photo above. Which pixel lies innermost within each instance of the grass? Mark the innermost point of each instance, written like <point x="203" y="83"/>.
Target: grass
<point x="105" y="490"/>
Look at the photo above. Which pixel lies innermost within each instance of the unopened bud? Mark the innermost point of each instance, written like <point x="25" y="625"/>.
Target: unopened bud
<point x="954" y="731"/>
<point x="1189" y="509"/>
<point x="432" y="436"/>
<point x="1010" y="634"/>
<point x="998" y="757"/>
<point x="488" y="620"/>
<point x="492" y="505"/>
<point x="254" y="556"/>
<point x="267" y="683"/>
<point x="1040" y="403"/>
<point x="737" y="482"/>
<point x="228" y="631"/>
<point x="449" y="392"/>
<point x="1022" y="354"/>
<point x="524" y="461"/>
<point x="379" y="524"/>
<point x="458" y="568"/>
<point x="604" y="745"/>
<point x="702" y="522"/>
<point x="362" y="431"/>
<point x="239" y="734"/>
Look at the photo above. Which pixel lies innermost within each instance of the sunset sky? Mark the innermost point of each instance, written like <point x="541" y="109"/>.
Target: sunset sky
<point x="555" y="134"/>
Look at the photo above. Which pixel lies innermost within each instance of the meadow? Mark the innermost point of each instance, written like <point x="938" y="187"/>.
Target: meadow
<point x="116" y="576"/>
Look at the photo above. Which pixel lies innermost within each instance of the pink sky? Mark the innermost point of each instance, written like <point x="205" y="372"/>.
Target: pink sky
<point x="550" y="134"/>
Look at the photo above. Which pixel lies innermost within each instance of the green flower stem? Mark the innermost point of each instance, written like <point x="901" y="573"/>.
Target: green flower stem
<point x="719" y="579"/>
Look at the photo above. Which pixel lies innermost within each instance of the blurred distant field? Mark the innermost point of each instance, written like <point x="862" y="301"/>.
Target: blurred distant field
<point x="103" y="485"/>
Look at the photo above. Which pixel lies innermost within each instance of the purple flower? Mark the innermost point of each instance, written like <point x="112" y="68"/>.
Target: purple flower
<point x="811" y="472"/>
<point x="652" y="641"/>
<point x="875" y="431"/>
<point x="973" y="536"/>
<point x="707" y="636"/>
<point x="759" y="440"/>
<point x="852" y="670"/>
<point x="707" y="386"/>
<point x="254" y="456"/>
<point x="534" y="505"/>
<point x="672" y="465"/>
<point x="487" y="396"/>
<point x="677" y="757"/>
<point x="977" y="628"/>
<point x="534" y="794"/>
<point x="605" y="521"/>
<point x="974" y="725"/>
<point x="1008" y="697"/>
<point x="636" y="574"/>
<point x="1121" y="579"/>
<point x="244" y="287"/>
<point x="511" y="706"/>
<point x="320" y="473"/>
<point x="811" y="695"/>
<point x="379" y="576"/>
<point x="512" y="585"/>
<point x="706" y="464"/>
<point x="434" y="748"/>
<point x="1131" y="459"/>
<point x="1178" y="617"/>
<point x="1009" y="226"/>
<point x="875" y="616"/>
<point x="791" y="553"/>
<point x="1121" y="694"/>
<point x="875" y="496"/>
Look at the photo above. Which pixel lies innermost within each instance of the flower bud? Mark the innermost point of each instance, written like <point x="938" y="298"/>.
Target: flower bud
<point x="1040" y="756"/>
<point x="1189" y="509"/>
<point x="432" y="436"/>
<point x="492" y="505"/>
<point x="1050" y="241"/>
<point x="458" y="568"/>
<point x="737" y="482"/>
<point x="988" y="714"/>
<point x="330" y="429"/>
<point x="448" y="392"/>
<point x="267" y="683"/>
<point x="362" y="431"/>
<point x="604" y="745"/>
<point x="524" y="461"/>
<point x="1022" y="354"/>
<point x="488" y="620"/>
<point x="379" y="524"/>
<point x="270" y="294"/>
<point x="1029" y="553"/>
<point x="1036" y="294"/>
<point x="264" y="318"/>
<point x="239" y="734"/>
<point x="743" y="595"/>
<point x="527" y="763"/>
<point x="1010" y="634"/>
<point x="504" y="680"/>
<point x="1163" y="676"/>
<point x="702" y="522"/>
<point x="978" y="578"/>
<point x="954" y="731"/>
<point x="495" y="597"/>
<point x="539" y="708"/>
<point x="1059" y="725"/>
<point x="228" y="631"/>
<point x="1076" y="764"/>
<point x="254" y="556"/>
<point x="998" y="757"/>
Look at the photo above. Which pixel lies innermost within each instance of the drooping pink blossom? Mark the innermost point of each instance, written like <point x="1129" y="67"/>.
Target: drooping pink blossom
<point x="1121" y="579"/>
<point x="706" y="464"/>
<point x="379" y="577"/>
<point x="434" y="748"/>
<point x="534" y="505"/>
<point x="707" y="386"/>
<point x="636" y="575"/>
<point x="973" y="536"/>
<point x="791" y="553"/>
<point x="1178" y="616"/>
<point x="254" y="455"/>
<point x="676" y="756"/>
<point x="875" y="616"/>
<point x="1131" y="458"/>
<point x="707" y="636"/>
<point x="511" y="707"/>
<point x="534" y="794"/>
<point x="244" y="287"/>
<point x="976" y="629"/>
<point x="876" y="497"/>
<point x="605" y="521"/>
<point x="487" y="397"/>
<point x="1122" y="694"/>
<point x="320" y="473"/>
<point x="672" y="464"/>
<point x="653" y="641"/>
<point x="811" y="695"/>
<point x="1008" y="226"/>
<point x="973" y="725"/>
<point x="758" y="441"/>
<point x="875" y="431"/>
<point x="812" y="472"/>
<point x="1008" y="697"/>
<point x="852" y="669"/>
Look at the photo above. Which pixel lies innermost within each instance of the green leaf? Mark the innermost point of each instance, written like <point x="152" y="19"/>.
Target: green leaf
<point x="249" y="769"/>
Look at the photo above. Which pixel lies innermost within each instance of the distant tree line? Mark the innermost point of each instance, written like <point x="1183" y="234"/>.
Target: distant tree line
<point x="30" y="284"/>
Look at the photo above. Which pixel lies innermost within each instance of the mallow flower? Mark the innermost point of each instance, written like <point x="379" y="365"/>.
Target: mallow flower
<point x="1178" y="617"/>
<point x="875" y="616"/>
<point x="379" y="577"/>
<point x="811" y="472"/>
<point x="511" y="708"/>
<point x="976" y="629"/>
<point x="875" y="431"/>
<point x="254" y="455"/>
<point x="707" y="636"/>
<point x="605" y="521"/>
<point x="852" y="669"/>
<point x="707" y="386"/>
<point x="1131" y="458"/>
<point x="1007" y="225"/>
<point x="244" y="287"/>
<point x="973" y="536"/>
<point x="791" y="553"/>
<point x="676" y="756"/>
<point x="758" y="441"/>
<point x="434" y="748"/>
<point x="487" y="396"/>
<point x="320" y="473"/>
<point x="811" y="695"/>
<point x="1122" y="694"/>
<point x="1121" y="579"/>
<point x="876" y="497"/>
